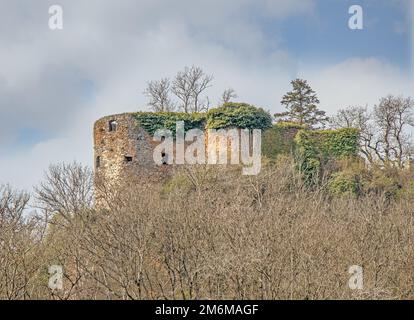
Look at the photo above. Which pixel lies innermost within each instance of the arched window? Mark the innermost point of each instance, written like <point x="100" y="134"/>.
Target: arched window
<point x="113" y="125"/>
<point x="98" y="162"/>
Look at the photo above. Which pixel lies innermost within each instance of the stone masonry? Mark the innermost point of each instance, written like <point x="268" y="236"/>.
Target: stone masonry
<point x="124" y="150"/>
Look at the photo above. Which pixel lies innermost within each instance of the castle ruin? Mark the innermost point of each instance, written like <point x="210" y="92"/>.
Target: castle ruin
<point x="123" y="149"/>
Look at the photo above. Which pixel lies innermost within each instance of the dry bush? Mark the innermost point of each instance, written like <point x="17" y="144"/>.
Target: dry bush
<point x="210" y="233"/>
<point x="20" y="247"/>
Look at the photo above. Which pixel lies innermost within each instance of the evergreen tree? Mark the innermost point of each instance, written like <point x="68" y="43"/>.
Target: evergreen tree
<point x="302" y="105"/>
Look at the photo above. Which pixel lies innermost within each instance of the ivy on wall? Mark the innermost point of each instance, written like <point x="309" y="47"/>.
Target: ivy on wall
<point x="279" y="139"/>
<point x="316" y="149"/>
<point x="152" y="121"/>
<point x="239" y="115"/>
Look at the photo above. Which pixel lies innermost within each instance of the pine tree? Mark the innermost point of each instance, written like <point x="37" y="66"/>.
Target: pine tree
<point x="302" y="105"/>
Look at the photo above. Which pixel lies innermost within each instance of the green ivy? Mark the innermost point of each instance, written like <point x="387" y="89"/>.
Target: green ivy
<point x="279" y="139"/>
<point x="291" y="125"/>
<point x="344" y="183"/>
<point x="315" y="149"/>
<point x="238" y="115"/>
<point x="153" y="121"/>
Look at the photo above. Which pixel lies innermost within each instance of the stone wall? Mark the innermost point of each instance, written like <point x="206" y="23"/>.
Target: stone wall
<point x="123" y="150"/>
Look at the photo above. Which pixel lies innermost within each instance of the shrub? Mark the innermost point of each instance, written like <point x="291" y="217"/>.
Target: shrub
<point x="344" y="182"/>
<point x="153" y="121"/>
<point x="316" y="150"/>
<point x="279" y="139"/>
<point x="239" y="115"/>
<point x="385" y="181"/>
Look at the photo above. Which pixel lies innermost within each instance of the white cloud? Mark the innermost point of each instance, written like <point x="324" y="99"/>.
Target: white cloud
<point x="62" y="81"/>
<point x="357" y="82"/>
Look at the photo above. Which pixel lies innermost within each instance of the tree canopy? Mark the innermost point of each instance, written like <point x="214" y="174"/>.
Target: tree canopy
<point x="302" y="105"/>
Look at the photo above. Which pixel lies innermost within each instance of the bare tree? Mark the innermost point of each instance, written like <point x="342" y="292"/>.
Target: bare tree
<point x="66" y="189"/>
<point x="200" y="241"/>
<point x="228" y="95"/>
<point x="159" y="94"/>
<point x="20" y="240"/>
<point x="359" y="118"/>
<point x="383" y="133"/>
<point x="188" y="87"/>
<point x="392" y="116"/>
<point x="12" y="205"/>
<point x="351" y="117"/>
<point x="200" y="82"/>
<point x="182" y="90"/>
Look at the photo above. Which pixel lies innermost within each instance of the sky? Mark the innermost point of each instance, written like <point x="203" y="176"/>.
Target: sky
<point x="55" y="83"/>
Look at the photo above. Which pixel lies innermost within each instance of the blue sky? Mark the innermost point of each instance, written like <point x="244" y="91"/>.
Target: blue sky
<point x="325" y="37"/>
<point x="55" y="84"/>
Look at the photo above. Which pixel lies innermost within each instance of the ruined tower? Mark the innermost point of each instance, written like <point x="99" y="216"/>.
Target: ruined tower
<point x="124" y="150"/>
<point x="124" y="146"/>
